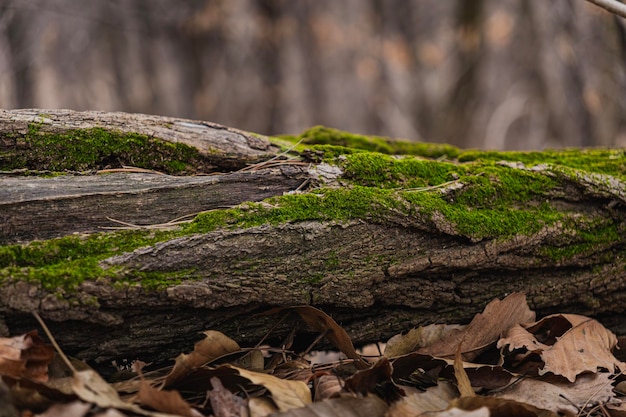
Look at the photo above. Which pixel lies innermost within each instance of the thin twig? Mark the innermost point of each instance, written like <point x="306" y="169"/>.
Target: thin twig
<point x="54" y="342"/>
<point x="612" y="6"/>
<point x="261" y="164"/>
<point x="125" y="168"/>
<point x="432" y="187"/>
<point x="174" y="222"/>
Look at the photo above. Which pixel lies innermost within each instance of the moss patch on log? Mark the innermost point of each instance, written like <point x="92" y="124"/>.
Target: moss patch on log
<point x="475" y="199"/>
<point x="321" y="135"/>
<point x="602" y="161"/>
<point x="95" y="149"/>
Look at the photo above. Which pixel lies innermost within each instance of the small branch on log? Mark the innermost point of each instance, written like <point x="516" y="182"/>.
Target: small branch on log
<point x="612" y="6"/>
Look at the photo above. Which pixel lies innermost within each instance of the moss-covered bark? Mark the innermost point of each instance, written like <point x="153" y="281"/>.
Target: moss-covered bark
<point x="384" y="234"/>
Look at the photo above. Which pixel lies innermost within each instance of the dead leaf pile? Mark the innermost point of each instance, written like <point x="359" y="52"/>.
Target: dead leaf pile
<point x="503" y="363"/>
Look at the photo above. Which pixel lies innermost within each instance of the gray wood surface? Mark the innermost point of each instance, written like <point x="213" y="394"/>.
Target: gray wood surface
<point x="42" y="208"/>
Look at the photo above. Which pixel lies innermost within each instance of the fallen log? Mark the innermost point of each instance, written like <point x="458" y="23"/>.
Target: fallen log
<point x="381" y="242"/>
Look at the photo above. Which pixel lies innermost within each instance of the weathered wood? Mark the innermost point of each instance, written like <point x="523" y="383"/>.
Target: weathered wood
<point x="43" y="208"/>
<point x="226" y="147"/>
<point x="379" y="257"/>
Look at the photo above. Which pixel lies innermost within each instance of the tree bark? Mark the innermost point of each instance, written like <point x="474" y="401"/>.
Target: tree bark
<point x="378" y="269"/>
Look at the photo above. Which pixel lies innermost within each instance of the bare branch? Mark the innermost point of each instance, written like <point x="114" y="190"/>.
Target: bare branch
<point x="613" y="6"/>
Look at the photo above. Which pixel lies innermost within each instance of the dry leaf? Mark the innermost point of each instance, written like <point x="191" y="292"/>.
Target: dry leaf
<point x="7" y="408"/>
<point x="253" y="360"/>
<point x="377" y="379"/>
<point x="166" y="401"/>
<point x="323" y="323"/>
<point x="73" y="409"/>
<point x="214" y="345"/>
<point x="91" y="388"/>
<point x="261" y="407"/>
<point x="224" y="403"/>
<point x="406" y="365"/>
<point x="286" y="394"/>
<point x="560" y="396"/>
<point x="484" y="329"/>
<point x="433" y="399"/>
<point x="457" y="412"/>
<point x="498" y="407"/>
<point x="462" y="380"/>
<point x="111" y="412"/>
<point x="617" y="410"/>
<point x="327" y="386"/>
<point x="25" y="357"/>
<point x="296" y="370"/>
<point x="420" y="337"/>
<point x="340" y="407"/>
<point x="568" y="345"/>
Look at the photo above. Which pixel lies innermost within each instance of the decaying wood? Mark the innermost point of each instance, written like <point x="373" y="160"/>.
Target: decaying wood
<point x="375" y="277"/>
<point x="228" y="148"/>
<point x="43" y="208"/>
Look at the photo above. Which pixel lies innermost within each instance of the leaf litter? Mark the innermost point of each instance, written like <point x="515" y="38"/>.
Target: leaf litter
<point x="503" y="363"/>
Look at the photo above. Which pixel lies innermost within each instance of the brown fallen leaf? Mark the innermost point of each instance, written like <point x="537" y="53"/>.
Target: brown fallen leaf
<point x="326" y="386"/>
<point x="377" y="380"/>
<point x="424" y="371"/>
<point x="484" y="329"/>
<point x="214" y="345"/>
<point x="371" y="406"/>
<point x="487" y="376"/>
<point x="560" y="396"/>
<point x="420" y="337"/>
<point x="166" y="401"/>
<point x="462" y="380"/>
<point x="90" y="387"/>
<point x="457" y="412"/>
<point x="110" y="412"/>
<point x="432" y="399"/>
<point x="497" y="407"/>
<point x="224" y="403"/>
<point x="261" y="407"/>
<point x="323" y="323"/>
<point x="25" y="357"/>
<point x="286" y="394"/>
<point x="568" y="345"/>
<point x="405" y="366"/>
<point x="7" y="408"/>
<point x="73" y="409"/>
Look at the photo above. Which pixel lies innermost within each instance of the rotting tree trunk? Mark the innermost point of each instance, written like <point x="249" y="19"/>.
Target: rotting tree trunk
<point x="380" y="243"/>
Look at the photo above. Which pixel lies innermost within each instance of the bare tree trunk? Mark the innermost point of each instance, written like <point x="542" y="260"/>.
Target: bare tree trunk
<point x="381" y="243"/>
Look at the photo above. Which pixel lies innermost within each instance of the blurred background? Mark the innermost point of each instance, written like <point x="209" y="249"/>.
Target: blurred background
<point x="498" y="74"/>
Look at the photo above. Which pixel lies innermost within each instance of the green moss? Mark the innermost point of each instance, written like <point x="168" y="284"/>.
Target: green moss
<point x="378" y="170"/>
<point x="605" y="161"/>
<point x="93" y="149"/>
<point x="69" y="248"/>
<point x="64" y="263"/>
<point x="332" y="261"/>
<point x="322" y="204"/>
<point x="490" y="204"/>
<point x="320" y="135"/>
<point x="501" y="187"/>
<point x="314" y="278"/>
<point x="587" y="236"/>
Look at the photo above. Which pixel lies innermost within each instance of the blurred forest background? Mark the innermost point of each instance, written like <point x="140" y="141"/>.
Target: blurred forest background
<point x="501" y="74"/>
